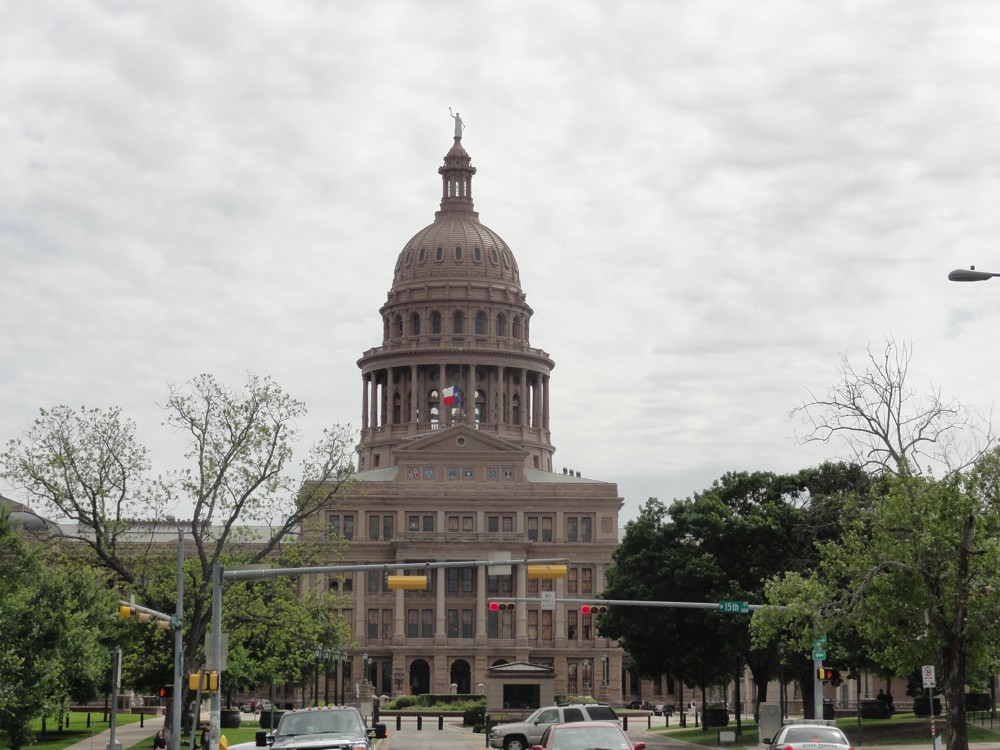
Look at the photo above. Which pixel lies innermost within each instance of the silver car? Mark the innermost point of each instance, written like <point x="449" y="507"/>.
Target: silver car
<point x="809" y="737"/>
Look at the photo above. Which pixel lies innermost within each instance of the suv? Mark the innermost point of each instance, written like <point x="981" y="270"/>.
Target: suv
<point x="327" y="728"/>
<point x="523" y="734"/>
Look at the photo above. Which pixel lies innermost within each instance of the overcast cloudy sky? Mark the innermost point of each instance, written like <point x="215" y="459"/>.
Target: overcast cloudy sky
<point x="709" y="201"/>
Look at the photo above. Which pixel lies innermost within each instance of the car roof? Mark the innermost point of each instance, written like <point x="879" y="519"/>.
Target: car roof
<point x="585" y="724"/>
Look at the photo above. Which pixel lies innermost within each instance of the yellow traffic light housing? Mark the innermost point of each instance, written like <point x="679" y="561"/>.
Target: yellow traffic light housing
<point x="825" y="673"/>
<point x="408" y="583"/>
<point x="126" y="611"/>
<point x="209" y="681"/>
<point x="547" y="571"/>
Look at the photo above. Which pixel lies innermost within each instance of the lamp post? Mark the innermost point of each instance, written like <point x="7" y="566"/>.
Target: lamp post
<point x="586" y="677"/>
<point x="337" y="656"/>
<point x="317" y="655"/>
<point x="970" y="274"/>
<point x="782" y="648"/>
<point x="397" y="677"/>
<point x="604" y="669"/>
<point x="175" y="724"/>
<point x="366" y="660"/>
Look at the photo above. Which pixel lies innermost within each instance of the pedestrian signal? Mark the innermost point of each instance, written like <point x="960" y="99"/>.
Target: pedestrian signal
<point x="825" y="673"/>
<point x="593" y="609"/>
<point x="167" y="691"/>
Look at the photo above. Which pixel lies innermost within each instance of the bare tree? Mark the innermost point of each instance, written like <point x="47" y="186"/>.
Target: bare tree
<point x="886" y="425"/>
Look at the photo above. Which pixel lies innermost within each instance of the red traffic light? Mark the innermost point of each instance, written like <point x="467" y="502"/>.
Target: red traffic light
<point x="500" y="606"/>
<point x="167" y="691"/>
<point x="825" y="673"/>
<point x="593" y="609"/>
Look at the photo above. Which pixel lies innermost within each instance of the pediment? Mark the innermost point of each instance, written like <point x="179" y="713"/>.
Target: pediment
<point x="520" y="668"/>
<point x="460" y="440"/>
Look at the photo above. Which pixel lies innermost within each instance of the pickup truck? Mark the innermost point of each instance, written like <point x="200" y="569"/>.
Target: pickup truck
<point x="325" y="728"/>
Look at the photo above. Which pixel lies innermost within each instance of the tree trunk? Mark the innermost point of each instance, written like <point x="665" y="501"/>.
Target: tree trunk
<point x="953" y="658"/>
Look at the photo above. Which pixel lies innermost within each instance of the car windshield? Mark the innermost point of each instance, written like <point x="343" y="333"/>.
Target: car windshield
<point x="589" y="738"/>
<point x="316" y="722"/>
<point x="814" y="734"/>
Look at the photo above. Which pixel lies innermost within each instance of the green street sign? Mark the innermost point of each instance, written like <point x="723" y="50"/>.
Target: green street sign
<point x="738" y="608"/>
<point x="818" y="655"/>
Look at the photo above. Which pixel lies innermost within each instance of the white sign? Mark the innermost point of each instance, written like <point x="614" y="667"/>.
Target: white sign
<point x="548" y="599"/>
<point x="498" y="570"/>
<point x="927" y="672"/>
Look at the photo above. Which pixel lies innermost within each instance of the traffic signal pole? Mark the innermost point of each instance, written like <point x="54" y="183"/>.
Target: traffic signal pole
<point x="219" y="575"/>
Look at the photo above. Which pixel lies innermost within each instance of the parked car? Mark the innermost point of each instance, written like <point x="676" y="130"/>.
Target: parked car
<point x="806" y="736"/>
<point x="641" y="705"/>
<point x="662" y="709"/>
<point x="585" y="735"/>
<point x="521" y="735"/>
<point x="329" y="728"/>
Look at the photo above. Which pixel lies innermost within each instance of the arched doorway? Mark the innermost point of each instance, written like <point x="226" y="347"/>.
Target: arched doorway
<point x="420" y="677"/>
<point x="461" y="676"/>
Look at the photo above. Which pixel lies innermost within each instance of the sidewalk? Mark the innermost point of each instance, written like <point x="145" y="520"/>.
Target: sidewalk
<point x="126" y="734"/>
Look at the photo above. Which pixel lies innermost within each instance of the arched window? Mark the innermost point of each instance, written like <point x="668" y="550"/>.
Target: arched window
<point x="398" y="327"/>
<point x="480" y="406"/>
<point x="480" y="323"/>
<point x="458" y="252"/>
<point x="415" y="324"/>
<point x="501" y="324"/>
<point x="517" y="328"/>
<point x="421" y="255"/>
<point x="385" y="328"/>
<point x="457" y="322"/>
<point x="435" y="322"/>
<point x="440" y="254"/>
<point x="409" y="256"/>
<point x="493" y="257"/>
<point x="477" y="254"/>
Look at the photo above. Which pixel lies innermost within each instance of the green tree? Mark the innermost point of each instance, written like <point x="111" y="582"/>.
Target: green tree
<point x="52" y="619"/>
<point x="914" y="571"/>
<point x="87" y="466"/>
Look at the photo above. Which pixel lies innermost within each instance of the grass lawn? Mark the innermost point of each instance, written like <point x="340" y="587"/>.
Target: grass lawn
<point x="902" y="729"/>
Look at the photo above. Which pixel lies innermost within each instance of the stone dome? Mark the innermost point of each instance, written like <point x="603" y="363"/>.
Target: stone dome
<point x="457" y="246"/>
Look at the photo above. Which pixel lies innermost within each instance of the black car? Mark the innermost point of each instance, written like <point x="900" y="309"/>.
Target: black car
<point x="641" y="705"/>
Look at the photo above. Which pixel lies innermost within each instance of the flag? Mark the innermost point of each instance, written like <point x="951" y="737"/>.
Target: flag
<point x="452" y="396"/>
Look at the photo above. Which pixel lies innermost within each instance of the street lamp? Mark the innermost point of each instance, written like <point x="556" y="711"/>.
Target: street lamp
<point x="782" y="649"/>
<point x="970" y="274"/>
<point x="397" y="677"/>
<point x="337" y="656"/>
<point x="175" y="724"/>
<point x="586" y="676"/>
<point x="604" y="669"/>
<point x="366" y="660"/>
<point x="317" y="655"/>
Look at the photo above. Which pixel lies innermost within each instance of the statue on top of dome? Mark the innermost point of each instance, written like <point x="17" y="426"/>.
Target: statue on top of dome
<point x="459" y="125"/>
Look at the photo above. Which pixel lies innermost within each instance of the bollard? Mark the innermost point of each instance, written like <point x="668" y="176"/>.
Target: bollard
<point x="625" y="723"/>
<point x="649" y="721"/>
<point x="486" y="729"/>
<point x="441" y="721"/>
<point x="666" y="719"/>
<point x="420" y="722"/>
<point x="88" y="719"/>
<point x="142" y="717"/>
<point x="399" y="722"/>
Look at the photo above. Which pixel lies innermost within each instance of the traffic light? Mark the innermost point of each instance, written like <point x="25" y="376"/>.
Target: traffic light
<point x="825" y="673"/>
<point x="126" y="611"/>
<point x="593" y="609"/>
<point x="209" y="681"/>
<point x="835" y="679"/>
<point x="413" y="583"/>
<point x="547" y="571"/>
<point x="501" y="606"/>
<point x="167" y="691"/>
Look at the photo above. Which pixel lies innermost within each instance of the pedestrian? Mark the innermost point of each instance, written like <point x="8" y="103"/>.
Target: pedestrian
<point x="159" y="741"/>
<point x="206" y="736"/>
<point x="888" y="704"/>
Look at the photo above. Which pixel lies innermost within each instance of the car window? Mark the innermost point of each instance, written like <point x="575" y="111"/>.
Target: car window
<point x="814" y="734"/>
<point x="589" y="738"/>
<point x="548" y="716"/>
<point x="573" y="714"/>
<point x="602" y="713"/>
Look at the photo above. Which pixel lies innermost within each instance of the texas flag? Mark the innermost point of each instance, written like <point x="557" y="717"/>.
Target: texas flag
<point x="452" y="396"/>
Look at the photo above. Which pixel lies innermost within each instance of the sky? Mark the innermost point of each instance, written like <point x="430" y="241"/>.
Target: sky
<point x="710" y="203"/>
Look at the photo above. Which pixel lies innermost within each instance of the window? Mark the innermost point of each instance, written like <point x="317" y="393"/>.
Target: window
<point x="388" y="522"/>
<point x="532" y="528"/>
<point x="477" y="254"/>
<point x="439" y="255"/>
<point x="457" y="322"/>
<point x="435" y="322"/>
<point x="571" y="529"/>
<point x="412" y="623"/>
<point x="500" y="523"/>
<point x="500" y="584"/>
<point x="500" y="624"/>
<point x="480" y="323"/>
<point x="340" y="583"/>
<point x="428" y="523"/>
<point x="467" y="628"/>
<point x="547" y="624"/>
<point x="573" y="580"/>
<point x="532" y="624"/>
<point x="373" y="528"/>
<point x="453" y="524"/>
<point x="373" y="579"/>
<point x="571" y="624"/>
<point x="342" y="526"/>
<point x="422" y="255"/>
<point x="452" y="623"/>
<point x="386" y="624"/>
<point x="460" y="580"/>
<point x="587" y="623"/>
<point x="427" y="623"/>
<point x="468" y="523"/>
<point x="413" y="523"/>
<point x="586" y="580"/>
<point x="458" y="253"/>
<point x="415" y="324"/>
<point x="373" y="623"/>
<point x="586" y="529"/>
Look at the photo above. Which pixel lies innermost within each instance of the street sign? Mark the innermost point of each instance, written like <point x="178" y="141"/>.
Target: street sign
<point x="739" y="608"/>
<point x="927" y="673"/>
<point x="818" y="655"/>
<point x="548" y="599"/>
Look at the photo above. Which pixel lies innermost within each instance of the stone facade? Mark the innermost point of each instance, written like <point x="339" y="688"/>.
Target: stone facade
<point x="456" y="463"/>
